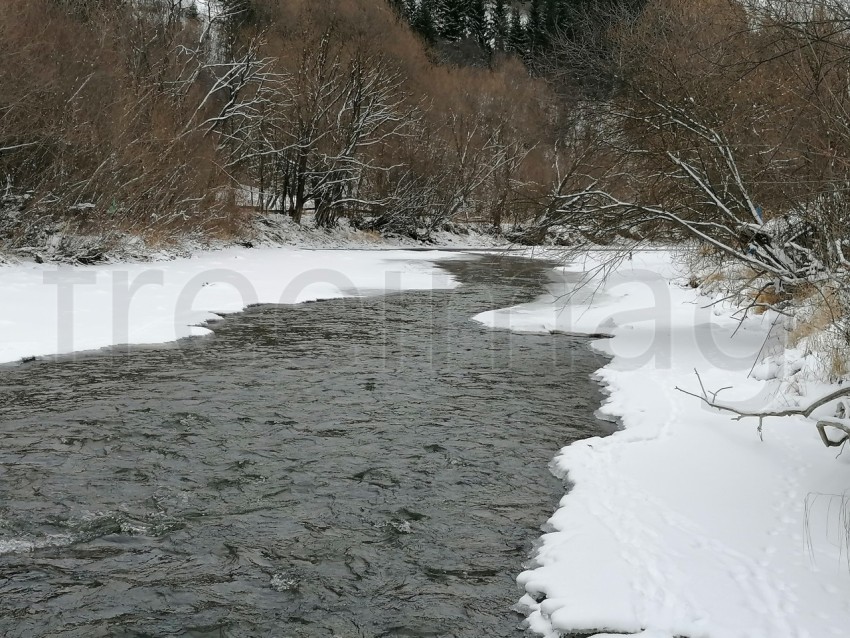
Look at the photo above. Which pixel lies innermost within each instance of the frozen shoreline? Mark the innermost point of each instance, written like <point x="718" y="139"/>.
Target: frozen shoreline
<point x="144" y="295"/>
<point x="51" y="309"/>
<point x="684" y="523"/>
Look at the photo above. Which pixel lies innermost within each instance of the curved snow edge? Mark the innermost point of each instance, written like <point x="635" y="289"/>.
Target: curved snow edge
<point x="683" y="523"/>
<point x="54" y="310"/>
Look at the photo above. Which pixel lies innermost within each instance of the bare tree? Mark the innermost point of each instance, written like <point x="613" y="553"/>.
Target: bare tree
<point x="373" y="112"/>
<point x="710" y="135"/>
<point x="446" y="172"/>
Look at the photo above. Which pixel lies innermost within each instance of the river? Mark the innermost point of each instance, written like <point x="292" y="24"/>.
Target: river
<point x="357" y="467"/>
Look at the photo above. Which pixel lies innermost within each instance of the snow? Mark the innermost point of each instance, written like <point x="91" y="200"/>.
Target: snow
<point x="56" y="309"/>
<point x="684" y="523"/>
<point x="276" y="230"/>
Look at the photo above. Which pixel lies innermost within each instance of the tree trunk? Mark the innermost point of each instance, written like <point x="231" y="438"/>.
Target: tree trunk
<point x="300" y="186"/>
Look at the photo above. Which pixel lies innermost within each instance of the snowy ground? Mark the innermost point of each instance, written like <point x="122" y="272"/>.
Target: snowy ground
<point x="684" y="523"/>
<point x="52" y="309"/>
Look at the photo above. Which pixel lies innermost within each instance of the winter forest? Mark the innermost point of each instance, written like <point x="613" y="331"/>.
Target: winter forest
<point x="502" y="206"/>
<point x="718" y="121"/>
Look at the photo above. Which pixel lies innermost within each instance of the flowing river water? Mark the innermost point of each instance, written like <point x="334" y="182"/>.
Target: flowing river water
<point x="359" y="467"/>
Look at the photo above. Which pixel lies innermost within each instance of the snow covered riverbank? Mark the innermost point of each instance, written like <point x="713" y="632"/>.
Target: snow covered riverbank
<point x="267" y="231"/>
<point x="684" y="523"/>
<point x="49" y="309"/>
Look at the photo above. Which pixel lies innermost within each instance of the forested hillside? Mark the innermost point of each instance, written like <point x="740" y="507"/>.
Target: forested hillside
<point x="166" y="117"/>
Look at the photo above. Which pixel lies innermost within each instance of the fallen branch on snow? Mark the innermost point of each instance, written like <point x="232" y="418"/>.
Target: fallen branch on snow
<point x="841" y="420"/>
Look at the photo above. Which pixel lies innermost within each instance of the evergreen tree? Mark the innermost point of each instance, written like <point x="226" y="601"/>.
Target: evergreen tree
<point x="423" y="21"/>
<point x="573" y="14"/>
<point x="534" y="27"/>
<point x="517" y="42"/>
<point x="477" y="24"/>
<point x="551" y="18"/>
<point x="410" y="8"/>
<point x="500" y="25"/>
<point x="451" y="19"/>
<point x="565" y="13"/>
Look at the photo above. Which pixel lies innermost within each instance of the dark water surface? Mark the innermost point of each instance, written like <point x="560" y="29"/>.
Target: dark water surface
<point x="362" y="467"/>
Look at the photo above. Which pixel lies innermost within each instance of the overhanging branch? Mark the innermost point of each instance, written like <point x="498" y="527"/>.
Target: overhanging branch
<point x="839" y="422"/>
